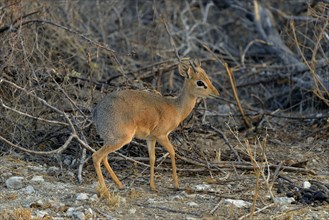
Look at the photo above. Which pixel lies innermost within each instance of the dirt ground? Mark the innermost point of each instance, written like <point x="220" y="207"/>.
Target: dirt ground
<point x="203" y="194"/>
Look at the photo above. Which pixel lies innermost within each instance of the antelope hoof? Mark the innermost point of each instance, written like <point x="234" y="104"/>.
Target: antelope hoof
<point x="153" y="189"/>
<point x="103" y="192"/>
<point x="120" y="186"/>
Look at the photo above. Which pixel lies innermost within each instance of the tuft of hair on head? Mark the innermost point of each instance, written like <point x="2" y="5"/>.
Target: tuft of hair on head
<point x="186" y="64"/>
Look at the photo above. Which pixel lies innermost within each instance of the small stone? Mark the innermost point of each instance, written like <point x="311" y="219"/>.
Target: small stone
<point x="188" y="195"/>
<point x="94" y="198"/>
<point x="306" y="185"/>
<point x="152" y="201"/>
<point x="37" y="169"/>
<point x="75" y="214"/>
<point x="29" y="189"/>
<point x="89" y="211"/>
<point x="37" y="179"/>
<point x="132" y="211"/>
<point x="193" y="204"/>
<point x="284" y="200"/>
<point x="202" y="187"/>
<point x="67" y="161"/>
<point x="41" y="213"/>
<point x="53" y="171"/>
<point x="191" y="218"/>
<point x="79" y="215"/>
<point x="318" y="149"/>
<point x="58" y="205"/>
<point x="319" y="115"/>
<point x="237" y="202"/>
<point x="14" y="182"/>
<point x="40" y="202"/>
<point x="82" y="196"/>
<point x="70" y="211"/>
<point x="70" y="174"/>
<point x="176" y="198"/>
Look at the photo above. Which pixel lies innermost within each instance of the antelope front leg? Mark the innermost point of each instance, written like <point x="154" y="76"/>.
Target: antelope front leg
<point x="164" y="141"/>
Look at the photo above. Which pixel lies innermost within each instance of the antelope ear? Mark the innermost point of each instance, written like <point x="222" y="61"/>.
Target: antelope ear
<point x="183" y="70"/>
<point x="197" y="62"/>
<point x="190" y="73"/>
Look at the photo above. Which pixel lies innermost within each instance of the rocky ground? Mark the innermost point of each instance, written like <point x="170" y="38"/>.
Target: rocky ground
<point x="42" y="191"/>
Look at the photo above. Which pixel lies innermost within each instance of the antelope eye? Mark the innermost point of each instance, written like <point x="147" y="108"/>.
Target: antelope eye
<point x="201" y="84"/>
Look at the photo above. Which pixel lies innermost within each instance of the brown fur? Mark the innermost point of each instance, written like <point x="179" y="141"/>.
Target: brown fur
<point x="126" y="114"/>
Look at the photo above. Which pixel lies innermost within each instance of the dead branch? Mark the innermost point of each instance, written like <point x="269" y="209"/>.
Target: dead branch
<point x="73" y="134"/>
<point x="236" y="97"/>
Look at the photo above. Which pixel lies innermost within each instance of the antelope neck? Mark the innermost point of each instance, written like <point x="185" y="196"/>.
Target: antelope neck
<point x="185" y="102"/>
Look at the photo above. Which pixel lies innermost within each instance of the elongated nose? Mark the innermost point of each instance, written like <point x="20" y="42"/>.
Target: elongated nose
<point x="214" y="91"/>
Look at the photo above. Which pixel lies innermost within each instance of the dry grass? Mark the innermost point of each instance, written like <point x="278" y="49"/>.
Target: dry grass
<point x="16" y="214"/>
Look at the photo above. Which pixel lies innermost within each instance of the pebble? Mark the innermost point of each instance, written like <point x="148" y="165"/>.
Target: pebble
<point x="89" y="211"/>
<point x="70" y="174"/>
<point x="82" y="196"/>
<point x="75" y="214"/>
<point x="94" y="198"/>
<point x="37" y="169"/>
<point x="79" y="215"/>
<point x="191" y="218"/>
<point x="284" y="200"/>
<point x="237" y="202"/>
<point x="188" y="195"/>
<point x="70" y="211"/>
<point x="41" y="213"/>
<point x="306" y="185"/>
<point x="132" y="211"/>
<point x="29" y="189"/>
<point x="40" y="202"/>
<point x="193" y="204"/>
<point x="15" y="182"/>
<point x="175" y="198"/>
<point x="37" y="179"/>
<point x="53" y="171"/>
<point x="202" y="187"/>
<point x="152" y="201"/>
<point x="67" y="161"/>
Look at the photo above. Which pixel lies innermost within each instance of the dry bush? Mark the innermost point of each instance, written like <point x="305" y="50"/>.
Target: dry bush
<point x="58" y="58"/>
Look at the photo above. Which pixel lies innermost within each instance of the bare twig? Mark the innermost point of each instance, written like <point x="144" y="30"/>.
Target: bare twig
<point x="33" y="117"/>
<point x="227" y="142"/>
<point x="258" y="211"/>
<point x="172" y="42"/>
<point x="217" y="206"/>
<point x="57" y="151"/>
<point x="236" y="97"/>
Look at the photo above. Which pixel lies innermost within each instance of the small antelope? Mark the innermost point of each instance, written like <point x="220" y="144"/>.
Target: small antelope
<point x="126" y="114"/>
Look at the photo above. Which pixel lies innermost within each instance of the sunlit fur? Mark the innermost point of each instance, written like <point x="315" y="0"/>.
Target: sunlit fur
<point x="126" y="114"/>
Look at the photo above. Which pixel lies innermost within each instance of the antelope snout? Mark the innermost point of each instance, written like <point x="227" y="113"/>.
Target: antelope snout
<point x="215" y="92"/>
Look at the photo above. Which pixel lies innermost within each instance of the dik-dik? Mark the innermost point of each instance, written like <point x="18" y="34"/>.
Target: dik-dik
<point x="126" y="114"/>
